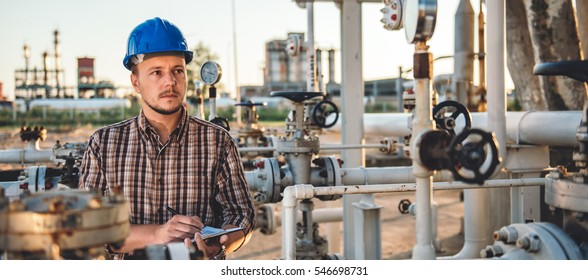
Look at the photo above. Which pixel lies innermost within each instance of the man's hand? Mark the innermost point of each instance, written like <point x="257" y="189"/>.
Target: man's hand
<point x="178" y="228"/>
<point x="209" y="249"/>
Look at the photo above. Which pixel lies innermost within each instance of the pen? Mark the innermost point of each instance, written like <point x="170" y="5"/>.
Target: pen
<point x="174" y="212"/>
<point x="171" y="210"/>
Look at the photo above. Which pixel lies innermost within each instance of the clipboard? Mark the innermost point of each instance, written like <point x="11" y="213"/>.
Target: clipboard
<point x="210" y="232"/>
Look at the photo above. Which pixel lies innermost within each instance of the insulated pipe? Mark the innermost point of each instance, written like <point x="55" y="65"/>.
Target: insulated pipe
<point x="463" y="58"/>
<point x="31" y="154"/>
<point x="553" y="128"/>
<point x="499" y="199"/>
<point x="294" y="193"/>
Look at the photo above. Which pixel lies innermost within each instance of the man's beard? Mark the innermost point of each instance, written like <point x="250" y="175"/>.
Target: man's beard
<point x="162" y="110"/>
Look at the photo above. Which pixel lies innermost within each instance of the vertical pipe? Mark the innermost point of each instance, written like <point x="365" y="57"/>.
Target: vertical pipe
<point x="27" y="56"/>
<point x="331" y="66"/>
<point x="422" y="122"/>
<point x="236" y="69"/>
<point x="463" y="62"/>
<point x="582" y="16"/>
<point x="499" y="198"/>
<point x="46" y="74"/>
<point x="400" y="105"/>
<point x="352" y="94"/>
<point x="481" y="48"/>
<point x="57" y="62"/>
<point x="319" y="70"/>
<point x="310" y="52"/>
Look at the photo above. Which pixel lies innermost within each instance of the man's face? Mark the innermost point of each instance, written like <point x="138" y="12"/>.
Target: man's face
<point x="161" y="81"/>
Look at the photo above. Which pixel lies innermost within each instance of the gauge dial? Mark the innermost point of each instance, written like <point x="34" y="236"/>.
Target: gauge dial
<point x="210" y="72"/>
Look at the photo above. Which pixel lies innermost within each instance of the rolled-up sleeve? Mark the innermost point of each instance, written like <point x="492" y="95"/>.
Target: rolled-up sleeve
<point x="234" y="195"/>
<point x="91" y="169"/>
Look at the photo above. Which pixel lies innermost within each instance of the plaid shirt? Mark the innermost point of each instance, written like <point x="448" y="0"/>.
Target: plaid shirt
<point x="198" y="172"/>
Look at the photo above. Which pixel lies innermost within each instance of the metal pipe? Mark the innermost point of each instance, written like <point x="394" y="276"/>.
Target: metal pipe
<point x="322" y="147"/>
<point x="422" y="122"/>
<point x="552" y="128"/>
<point x="499" y="199"/>
<point x="294" y="193"/>
<point x="463" y="58"/>
<point x="352" y="93"/>
<point x="31" y="154"/>
<point x="310" y="52"/>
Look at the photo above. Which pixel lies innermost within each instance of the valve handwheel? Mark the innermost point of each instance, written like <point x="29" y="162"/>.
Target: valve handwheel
<point x="222" y="122"/>
<point x="449" y="122"/>
<point x="404" y="205"/>
<point x="322" y="111"/>
<point x="478" y="157"/>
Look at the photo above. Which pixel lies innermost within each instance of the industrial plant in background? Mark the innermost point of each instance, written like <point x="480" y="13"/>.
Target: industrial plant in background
<point x="45" y="87"/>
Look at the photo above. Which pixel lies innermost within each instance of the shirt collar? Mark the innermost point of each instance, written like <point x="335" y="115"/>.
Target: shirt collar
<point x="177" y="133"/>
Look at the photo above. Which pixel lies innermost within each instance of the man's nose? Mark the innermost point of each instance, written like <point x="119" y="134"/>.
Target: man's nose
<point x="169" y="78"/>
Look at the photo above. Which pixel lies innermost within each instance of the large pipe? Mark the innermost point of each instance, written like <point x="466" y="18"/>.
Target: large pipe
<point x="31" y="154"/>
<point x="298" y="192"/>
<point x="499" y="199"/>
<point x="463" y="58"/>
<point x="553" y="128"/>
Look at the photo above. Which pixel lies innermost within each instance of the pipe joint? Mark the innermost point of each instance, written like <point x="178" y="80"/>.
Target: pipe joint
<point x="293" y="193"/>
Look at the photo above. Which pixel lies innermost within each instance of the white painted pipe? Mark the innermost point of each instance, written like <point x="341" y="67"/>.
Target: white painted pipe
<point x="553" y="128"/>
<point x="476" y="211"/>
<point x="499" y="200"/>
<point x="385" y="175"/>
<point x="31" y="154"/>
<point x="292" y="194"/>
<point x="422" y="123"/>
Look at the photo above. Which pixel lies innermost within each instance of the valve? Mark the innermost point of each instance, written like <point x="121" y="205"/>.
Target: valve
<point x="448" y="123"/>
<point x="404" y="205"/>
<point x="392" y="14"/>
<point x="478" y="157"/>
<point x="222" y="122"/>
<point x="322" y="111"/>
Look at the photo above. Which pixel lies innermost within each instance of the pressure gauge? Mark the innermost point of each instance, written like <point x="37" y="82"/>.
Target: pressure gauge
<point x="419" y="18"/>
<point x="210" y="72"/>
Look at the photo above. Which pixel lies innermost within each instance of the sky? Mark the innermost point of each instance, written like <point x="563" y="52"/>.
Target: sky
<point x="100" y="29"/>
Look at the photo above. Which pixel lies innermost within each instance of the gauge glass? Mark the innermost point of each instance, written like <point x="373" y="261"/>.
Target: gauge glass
<point x="210" y="72"/>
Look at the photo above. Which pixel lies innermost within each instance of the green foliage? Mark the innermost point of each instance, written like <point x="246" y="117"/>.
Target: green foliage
<point x="381" y="107"/>
<point x="66" y="119"/>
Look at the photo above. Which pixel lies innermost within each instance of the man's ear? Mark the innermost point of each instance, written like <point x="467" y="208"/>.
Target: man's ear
<point x="135" y="82"/>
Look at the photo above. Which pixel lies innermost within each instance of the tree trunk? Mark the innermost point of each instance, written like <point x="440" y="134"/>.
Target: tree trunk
<point x="554" y="36"/>
<point x="520" y="60"/>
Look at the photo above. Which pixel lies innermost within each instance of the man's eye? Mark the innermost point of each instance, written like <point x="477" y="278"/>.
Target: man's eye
<point x="179" y="71"/>
<point x="157" y="73"/>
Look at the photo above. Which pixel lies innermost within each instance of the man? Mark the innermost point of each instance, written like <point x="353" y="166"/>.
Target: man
<point x="164" y="159"/>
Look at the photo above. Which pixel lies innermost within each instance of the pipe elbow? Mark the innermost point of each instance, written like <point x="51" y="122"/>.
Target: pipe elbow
<point x="292" y="193"/>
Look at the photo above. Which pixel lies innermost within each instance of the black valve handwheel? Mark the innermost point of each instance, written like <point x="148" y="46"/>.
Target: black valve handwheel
<point x="470" y="157"/>
<point x="449" y="122"/>
<point x="404" y="205"/>
<point x="222" y="122"/>
<point x="322" y="111"/>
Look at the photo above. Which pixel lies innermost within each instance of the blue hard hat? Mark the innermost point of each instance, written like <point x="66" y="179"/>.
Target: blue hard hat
<point x="153" y="36"/>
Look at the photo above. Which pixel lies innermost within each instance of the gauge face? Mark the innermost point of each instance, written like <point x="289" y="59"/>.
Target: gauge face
<point x="419" y="19"/>
<point x="210" y="72"/>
